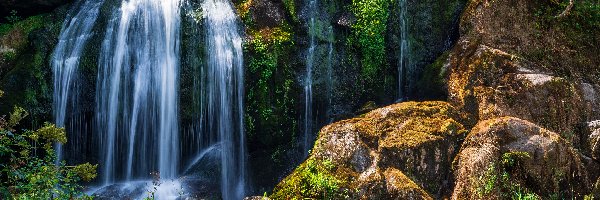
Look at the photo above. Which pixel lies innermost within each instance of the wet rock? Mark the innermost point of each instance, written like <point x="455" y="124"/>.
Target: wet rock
<point x="267" y="13"/>
<point x="513" y="155"/>
<point x="372" y="157"/>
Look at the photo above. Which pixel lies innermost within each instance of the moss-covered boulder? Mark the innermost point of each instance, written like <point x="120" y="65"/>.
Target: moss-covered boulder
<point x="26" y="47"/>
<point x="522" y="59"/>
<point x="489" y="82"/>
<point x="503" y="158"/>
<point x="400" y="151"/>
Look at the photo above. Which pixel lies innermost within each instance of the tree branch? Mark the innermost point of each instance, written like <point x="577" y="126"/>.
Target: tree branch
<point x="567" y="10"/>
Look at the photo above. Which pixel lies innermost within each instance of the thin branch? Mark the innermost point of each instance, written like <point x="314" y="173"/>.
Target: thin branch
<point x="567" y="10"/>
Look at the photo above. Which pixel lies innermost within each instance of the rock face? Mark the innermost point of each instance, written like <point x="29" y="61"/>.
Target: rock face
<point x="25" y="71"/>
<point x="29" y="7"/>
<point x="507" y="154"/>
<point x="510" y="61"/>
<point x="594" y="139"/>
<point x="526" y="80"/>
<point x="396" y="152"/>
<point x="488" y="83"/>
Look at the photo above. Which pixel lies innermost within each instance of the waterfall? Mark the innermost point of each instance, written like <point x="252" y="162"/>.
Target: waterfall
<point x="75" y="32"/>
<point x="224" y="92"/>
<point x="403" y="59"/>
<point x="330" y="76"/>
<point x="137" y="91"/>
<point x="308" y="82"/>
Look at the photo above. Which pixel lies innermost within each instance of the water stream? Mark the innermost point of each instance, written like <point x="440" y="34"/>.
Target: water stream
<point x="137" y="91"/>
<point x="403" y="59"/>
<point x="308" y="82"/>
<point x="75" y="32"/>
<point x="224" y="89"/>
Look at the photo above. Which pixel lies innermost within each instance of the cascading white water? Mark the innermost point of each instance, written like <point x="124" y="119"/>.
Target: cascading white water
<point x="403" y="59"/>
<point x="75" y="32"/>
<point x="330" y="77"/>
<point x="137" y="90"/>
<point x="224" y="93"/>
<point x="308" y="82"/>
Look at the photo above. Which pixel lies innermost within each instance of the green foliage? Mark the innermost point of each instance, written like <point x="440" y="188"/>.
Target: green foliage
<point x="270" y="99"/>
<point x="369" y="34"/>
<point x="498" y="180"/>
<point x="290" y="6"/>
<point x="28" y="169"/>
<point x="13" y="17"/>
<point x="584" y="16"/>
<point x="314" y="180"/>
<point x="319" y="183"/>
<point x="27" y="25"/>
<point x="16" y="116"/>
<point x="432" y="83"/>
<point x="511" y="159"/>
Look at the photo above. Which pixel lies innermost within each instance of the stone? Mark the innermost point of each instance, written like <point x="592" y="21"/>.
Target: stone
<point x="402" y="151"/>
<point x="532" y="158"/>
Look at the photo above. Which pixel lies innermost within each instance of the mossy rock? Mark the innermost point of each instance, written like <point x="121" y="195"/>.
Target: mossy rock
<point x="409" y="141"/>
<point x="506" y="156"/>
<point x="27" y="78"/>
<point x="485" y="83"/>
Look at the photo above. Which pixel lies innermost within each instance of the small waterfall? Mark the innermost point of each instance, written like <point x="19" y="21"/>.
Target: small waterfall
<point x="330" y="77"/>
<point x="404" y="57"/>
<point x="224" y="91"/>
<point x="75" y="32"/>
<point x="137" y="91"/>
<point x="308" y="82"/>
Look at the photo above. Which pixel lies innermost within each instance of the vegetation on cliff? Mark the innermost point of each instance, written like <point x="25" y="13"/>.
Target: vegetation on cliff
<point x="29" y="171"/>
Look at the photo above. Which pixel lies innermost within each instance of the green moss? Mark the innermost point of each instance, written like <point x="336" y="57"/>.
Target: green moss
<point x="432" y="84"/>
<point x="271" y="94"/>
<point x="369" y="34"/>
<point x="28" y="76"/>
<point x="421" y="123"/>
<point x="314" y="180"/>
<point x="27" y="25"/>
<point x="290" y="7"/>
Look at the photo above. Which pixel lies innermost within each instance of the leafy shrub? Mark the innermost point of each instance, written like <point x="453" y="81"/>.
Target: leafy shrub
<point x="499" y="179"/>
<point x="27" y="166"/>
<point x="369" y="30"/>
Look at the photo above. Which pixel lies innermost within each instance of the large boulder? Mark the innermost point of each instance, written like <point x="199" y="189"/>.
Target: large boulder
<point x="518" y="59"/>
<point x="489" y="82"/>
<point x="503" y="157"/>
<point x="400" y="151"/>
